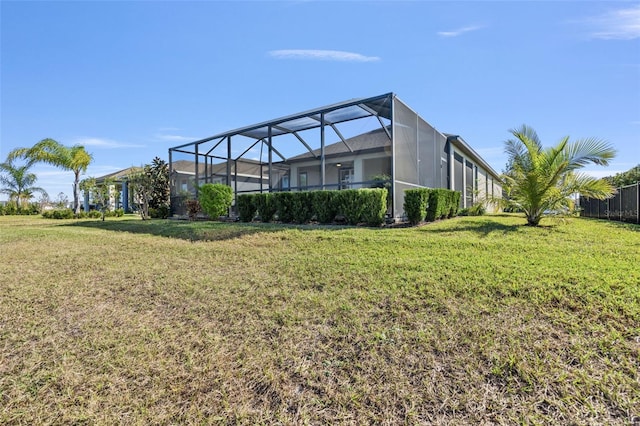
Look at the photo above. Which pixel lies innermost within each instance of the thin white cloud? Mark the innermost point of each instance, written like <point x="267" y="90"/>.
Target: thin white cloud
<point x="174" y="138"/>
<point x="621" y="24"/>
<point x="104" y="143"/>
<point x="459" y="31"/>
<point x="322" y="55"/>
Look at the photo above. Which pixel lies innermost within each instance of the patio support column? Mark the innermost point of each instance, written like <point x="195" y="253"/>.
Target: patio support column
<point x="452" y="169"/>
<point x="125" y="195"/>
<point x="322" y="159"/>
<point x="270" y="159"/>
<point x="235" y="184"/>
<point x="197" y="182"/>
<point x="464" y="182"/>
<point x="228" y="161"/>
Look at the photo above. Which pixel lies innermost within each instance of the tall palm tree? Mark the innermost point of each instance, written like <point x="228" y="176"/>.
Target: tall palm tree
<point x="18" y="182"/>
<point x="541" y="179"/>
<point x="74" y="158"/>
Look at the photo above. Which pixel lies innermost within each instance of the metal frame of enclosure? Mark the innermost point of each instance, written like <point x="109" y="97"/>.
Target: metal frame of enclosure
<point x="266" y="157"/>
<point x="624" y="206"/>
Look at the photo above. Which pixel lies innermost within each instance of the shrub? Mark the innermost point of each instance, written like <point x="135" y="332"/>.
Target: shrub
<point x="265" y="206"/>
<point x="246" y="207"/>
<point x="415" y="204"/>
<point x="475" y="210"/>
<point x="375" y="205"/>
<point x="350" y="205"/>
<point x="215" y="199"/>
<point x="193" y="208"/>
<point x="11" y="208"/>
<point x="302" y="206"/>
<point x="94" y="214"/>
<point x="58" y="214"/>
<point x="324" y="205"/>
<point x="454" y="205"/>
<point x="442" y="203"/>
<point x="161" y="212"/>
<point x="283" y="204"/>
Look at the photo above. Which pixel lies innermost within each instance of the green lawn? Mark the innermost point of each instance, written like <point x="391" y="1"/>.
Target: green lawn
<point x="471" y="320"/>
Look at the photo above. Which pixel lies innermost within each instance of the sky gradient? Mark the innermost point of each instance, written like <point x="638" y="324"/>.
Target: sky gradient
<point x="129" y="80"/>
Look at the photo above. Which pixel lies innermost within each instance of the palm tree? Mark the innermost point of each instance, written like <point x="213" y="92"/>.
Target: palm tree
<point x="74" y="158"/>
<point x="542" y="179"/>
<point x="18" y="182"/>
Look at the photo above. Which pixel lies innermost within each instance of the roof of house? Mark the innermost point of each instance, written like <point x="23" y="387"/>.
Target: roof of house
<point x="372" y="141"/>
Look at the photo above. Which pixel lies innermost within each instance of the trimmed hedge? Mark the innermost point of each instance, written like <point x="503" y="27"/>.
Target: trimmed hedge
<point x="284" y="205"/>
<point x="430" y="204"/>
<point x="415" y="204"/>
<point x="356" y="205"/>
<point x="375" y="202"/>
<point x="247" y="207"/>
<point x="442" y="204"/>
<point x="265" y="206"/>
<point x="323" y="206"/>
<point x="58" y="214"/>
<point x="301" y="206"/>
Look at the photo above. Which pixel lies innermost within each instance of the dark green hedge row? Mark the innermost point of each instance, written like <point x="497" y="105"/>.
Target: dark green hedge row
<point x="430" y="204"/>
<point x="68" y="214"/>
<point x="355" y="205"/>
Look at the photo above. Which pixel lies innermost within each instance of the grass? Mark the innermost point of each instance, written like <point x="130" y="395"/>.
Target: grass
<point x="471" y="320"/>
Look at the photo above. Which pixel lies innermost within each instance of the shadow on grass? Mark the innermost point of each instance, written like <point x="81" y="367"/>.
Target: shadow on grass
<point x="184" y="230"/>
<point x="629" y="226"/>
<point x="483" y="227"/>
<point x="194" y="231"/>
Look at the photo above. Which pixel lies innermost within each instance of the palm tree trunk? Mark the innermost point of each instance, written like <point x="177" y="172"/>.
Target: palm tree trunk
<point x="76" y="192"/>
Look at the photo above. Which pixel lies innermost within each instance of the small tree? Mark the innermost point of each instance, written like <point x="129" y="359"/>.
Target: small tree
<point x="215" y="199"/>
<point x="101" y="194"/>
<point x="158" y="172"/>
<point x="141" y="184"/>
<point x="544" y="179"/>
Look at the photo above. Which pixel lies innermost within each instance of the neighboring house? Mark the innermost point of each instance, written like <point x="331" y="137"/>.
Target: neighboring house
<point x="120" y="187"/>
<point x="379" y="139"/>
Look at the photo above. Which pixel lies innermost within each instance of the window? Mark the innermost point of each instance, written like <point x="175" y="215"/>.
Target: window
<point x="284" y="184"/>
<point x="346" y="178"/>
<point x="302" y="180"/>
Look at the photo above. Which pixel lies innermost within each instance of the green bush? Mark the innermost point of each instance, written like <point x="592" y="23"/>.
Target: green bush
<point x="161" y="212"/>
<point x="58" y="214"/>
<point x="246" y="207"/>
<point x="375" y="205"/>
<point x="94" y="214"/>
<point x="442" y="203"/>
<point x="215" y="199"/>
<point x="11" y="208"/>
<point x="454" y="201"/>
<point x="283" y="203"/>
<point x="265" y="206"/>
<point x="475" y="210"/>
<point x="302" y="206"/>
<point x="324" y="206"/>
<point x="350" y="205"/>
<point x="415" y="204"/>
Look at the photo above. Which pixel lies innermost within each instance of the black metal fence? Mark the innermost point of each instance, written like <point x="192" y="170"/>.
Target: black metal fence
<point x="623" y="206"/>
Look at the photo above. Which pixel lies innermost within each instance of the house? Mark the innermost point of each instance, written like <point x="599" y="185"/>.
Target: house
<point x="371" y="140"/>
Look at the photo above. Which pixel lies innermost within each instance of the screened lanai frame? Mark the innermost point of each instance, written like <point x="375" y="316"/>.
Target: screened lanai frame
<point x="416" y="153"/>
<point x="263" y="135"/>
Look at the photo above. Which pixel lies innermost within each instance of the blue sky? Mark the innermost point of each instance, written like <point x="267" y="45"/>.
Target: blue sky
<point x="129" y="80"/>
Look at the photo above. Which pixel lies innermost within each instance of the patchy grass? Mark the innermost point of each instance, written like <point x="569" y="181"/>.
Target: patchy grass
<point x="471" y="320"/>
